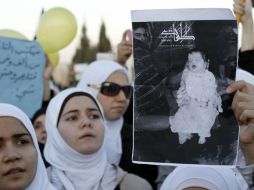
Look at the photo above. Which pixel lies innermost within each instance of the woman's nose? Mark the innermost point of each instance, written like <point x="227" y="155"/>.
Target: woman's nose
<point x="86" y="122"/>
<point x="11" y="154"/>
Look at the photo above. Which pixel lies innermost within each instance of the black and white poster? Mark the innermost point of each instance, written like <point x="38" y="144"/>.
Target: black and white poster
<point x="184" y="59"/>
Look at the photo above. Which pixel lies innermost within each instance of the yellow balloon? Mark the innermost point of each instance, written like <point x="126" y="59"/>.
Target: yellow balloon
<point x="57" y="29"/>
<point x="12" y="34"/>
<point x="54" y="58"/>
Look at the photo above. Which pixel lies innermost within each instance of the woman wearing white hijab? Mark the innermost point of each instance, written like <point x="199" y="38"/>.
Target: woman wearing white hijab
<point x="204" y="178"/>
<point x="21" y="165"/>
<point x="95" y="74"/>
<point x="75" y="146"/>
<point x="109" y="82"/>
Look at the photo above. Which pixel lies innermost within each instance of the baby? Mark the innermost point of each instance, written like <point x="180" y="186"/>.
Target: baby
<point x="197" y="98"/>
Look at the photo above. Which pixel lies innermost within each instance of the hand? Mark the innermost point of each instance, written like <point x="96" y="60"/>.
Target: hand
<point x="241" y="86"/>
<point x="243" y="8"/>
<point x="182" y="97"/>
<point x="124" y="48"/>
<point x="243" y="101"/>
<point x="243" y="107"/>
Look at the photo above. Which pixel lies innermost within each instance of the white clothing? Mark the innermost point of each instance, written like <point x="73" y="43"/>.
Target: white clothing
<point x="96" y="73"/>
<point x="215" y="178"/>
<point x="40" y="181"/>
<point x="73" y="170"/>
<point x="199" y="105"/>
<point x="244" y="75"/>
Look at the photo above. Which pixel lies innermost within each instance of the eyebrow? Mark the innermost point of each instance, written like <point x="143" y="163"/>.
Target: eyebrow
<point x="21" y="135"/>
<point x="74" y="111"/>
<point x="93" y="109"/>
<point x="71" y="111"/>
<point x="18" y="135"/>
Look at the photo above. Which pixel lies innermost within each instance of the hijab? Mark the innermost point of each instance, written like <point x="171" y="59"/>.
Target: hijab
<point x="96" y="73"/>
<point x="244" y="75"/>
<point x="71" y="169"/>
<point x="40" y="181"/>
<point x="215" y="178"/>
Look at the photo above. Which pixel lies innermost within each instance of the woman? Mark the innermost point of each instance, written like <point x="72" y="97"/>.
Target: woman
<point x="106" y="86"/>
<point x="111" y="86"/>
<point x="38" y="121"/>
<point x="204" y="178"/>
<point x="75" y="146"/>
<point x="21" y="166"/>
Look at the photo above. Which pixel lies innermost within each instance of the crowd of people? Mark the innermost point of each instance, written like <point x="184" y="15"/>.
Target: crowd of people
<point x="82" y="137"/>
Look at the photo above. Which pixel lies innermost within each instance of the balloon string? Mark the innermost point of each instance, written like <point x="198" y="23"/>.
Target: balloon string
<point x="35" y="35"/>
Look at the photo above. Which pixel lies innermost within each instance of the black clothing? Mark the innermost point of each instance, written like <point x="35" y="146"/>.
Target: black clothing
<point x="148" y="172"/>
<point x="246" y="61"/>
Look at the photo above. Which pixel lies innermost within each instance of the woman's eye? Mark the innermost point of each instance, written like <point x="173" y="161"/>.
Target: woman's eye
<point x="94" y="116"/>
<point x="36" y="126"/>
<point x="72" y="118"/>
<point x="23" y="141"/>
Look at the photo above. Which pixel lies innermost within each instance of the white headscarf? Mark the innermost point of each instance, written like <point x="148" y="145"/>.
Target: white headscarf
<point x="244" y="75"/>
<point x="96" y="73"/>
<point x="76" y="171"/>
<point x="215" y="178"/>
<point x="40" y="181"/>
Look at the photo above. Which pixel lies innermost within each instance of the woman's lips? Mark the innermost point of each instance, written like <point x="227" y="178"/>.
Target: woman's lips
<point x="14" y="172"/>
<point x="87" y="135"/>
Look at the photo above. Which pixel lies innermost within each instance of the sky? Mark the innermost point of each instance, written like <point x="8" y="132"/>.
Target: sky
<point x="23" y="16"/>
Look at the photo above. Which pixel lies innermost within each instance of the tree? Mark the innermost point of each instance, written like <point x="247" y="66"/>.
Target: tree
<point x="85" y="53"/>
<point x="104" y="44"/>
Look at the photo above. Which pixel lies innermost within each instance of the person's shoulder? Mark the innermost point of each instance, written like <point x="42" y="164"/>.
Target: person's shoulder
<point x="131" y="181"/>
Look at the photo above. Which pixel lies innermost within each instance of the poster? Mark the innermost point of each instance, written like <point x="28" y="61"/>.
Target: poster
<point x="21" y="74"/>
<point x="184" y="59"/>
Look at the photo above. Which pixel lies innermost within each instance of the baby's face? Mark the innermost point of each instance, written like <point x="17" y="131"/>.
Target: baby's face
<point x="196" y="62"/>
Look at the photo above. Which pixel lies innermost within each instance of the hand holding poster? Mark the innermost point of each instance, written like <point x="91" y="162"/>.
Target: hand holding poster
<point x="21" y="74"/>
<point x="184" y="60"/>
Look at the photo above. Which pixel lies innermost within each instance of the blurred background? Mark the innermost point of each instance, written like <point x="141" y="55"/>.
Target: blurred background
<point x="100" y="26"/>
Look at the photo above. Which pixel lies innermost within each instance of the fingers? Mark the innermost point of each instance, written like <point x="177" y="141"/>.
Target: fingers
<point x="242" y="105"/>
<point x="125" y="48"/>
<point x="247" y="133"/>
<point x="239" y="8"/>
<point x="126" y="35"/>
<point x="240" y="85"/>
<point x="246" y="116"/>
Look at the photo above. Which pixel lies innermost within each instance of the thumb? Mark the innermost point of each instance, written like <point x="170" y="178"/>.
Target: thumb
<point x="126" y="35"/>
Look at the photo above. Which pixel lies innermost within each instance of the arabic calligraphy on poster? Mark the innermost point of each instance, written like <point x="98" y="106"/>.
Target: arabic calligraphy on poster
<point x="177" y="34"/>
<point x="21" y="74"/>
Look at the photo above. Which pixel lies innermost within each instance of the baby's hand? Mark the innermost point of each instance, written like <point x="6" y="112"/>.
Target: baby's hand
<point x="182" y="97"/>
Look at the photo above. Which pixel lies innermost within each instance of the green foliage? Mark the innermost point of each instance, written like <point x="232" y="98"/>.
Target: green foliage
<point x="85" y="53"/>
<point x="104" y="44"/>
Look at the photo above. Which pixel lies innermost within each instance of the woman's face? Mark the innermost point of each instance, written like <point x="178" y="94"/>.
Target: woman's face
<point x="115" y="106"/>
<point x="39" y="126"/>
<point x="18" y="155"/>
<point x="81" y="125"/>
